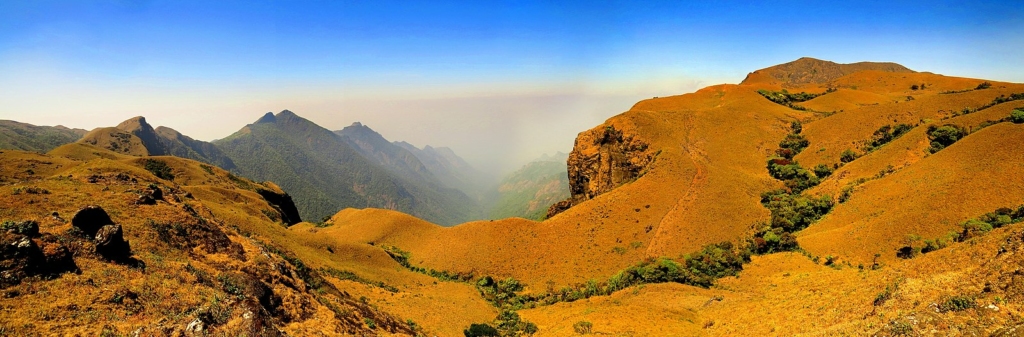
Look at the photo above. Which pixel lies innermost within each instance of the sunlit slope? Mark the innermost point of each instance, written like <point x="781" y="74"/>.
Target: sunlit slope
<point x="703" y="186"/>
<point x="788" y="294"/>
<point x="853" y="126"/>
<point x="203" y="252"/>
<point x="929" y="199"/>
<point x="115" y="140"/>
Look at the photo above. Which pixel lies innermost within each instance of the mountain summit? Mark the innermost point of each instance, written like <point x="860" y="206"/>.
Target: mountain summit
<point x="327" y="172"/>
<point x="806" y="70"/>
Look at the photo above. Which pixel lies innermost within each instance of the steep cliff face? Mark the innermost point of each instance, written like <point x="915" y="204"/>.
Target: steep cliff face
<point x="602" y="159"/>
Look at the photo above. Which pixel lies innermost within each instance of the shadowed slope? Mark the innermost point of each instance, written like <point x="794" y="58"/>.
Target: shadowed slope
<point x="325" y="174"/>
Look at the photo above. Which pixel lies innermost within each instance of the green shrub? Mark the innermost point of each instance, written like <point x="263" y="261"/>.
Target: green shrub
<point x="956" y="303"/>
<point x="944" y="136"/>
<point x="159" y="169"/>
<point x="886" y="134"/>
<point x="822" y="171"/>
<point x="1017" y="116"/>
<point x="974" y="228"/>
<point x="792" y="174"/>
<point x="583" y="327"/>
<point x="794" y="142"/>
<point x="796" y="127"/>
<point x="28" y="228"/>
<point x="509" y="323"/>
<point x="983" y="85"/>
<point x="847" y="156"/>
<point x="480" y="330"/>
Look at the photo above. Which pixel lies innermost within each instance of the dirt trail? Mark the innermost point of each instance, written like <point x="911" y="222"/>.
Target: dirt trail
<point x="698" y="156"/>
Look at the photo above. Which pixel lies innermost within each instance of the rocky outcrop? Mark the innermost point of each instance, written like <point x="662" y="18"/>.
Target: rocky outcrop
<point x="602" y="159"/>
<point x="283" y="204"/>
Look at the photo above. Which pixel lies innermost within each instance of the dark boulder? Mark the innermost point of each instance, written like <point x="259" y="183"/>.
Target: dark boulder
<point x="110" y="243"/>
<point x="90" y="219"/>
<point x="150" y="195"/>
<point x="18" y="257"/>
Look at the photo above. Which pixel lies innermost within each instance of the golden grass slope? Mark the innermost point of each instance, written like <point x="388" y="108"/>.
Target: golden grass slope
<point x="176" y="283"/>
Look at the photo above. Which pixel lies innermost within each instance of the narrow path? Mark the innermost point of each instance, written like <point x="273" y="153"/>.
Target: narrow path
<point x="698" y="156"/>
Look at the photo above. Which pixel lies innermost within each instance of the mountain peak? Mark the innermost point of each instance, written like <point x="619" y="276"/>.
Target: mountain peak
<point x="286" y="113"/>
<point x="809" y="70"/>
<point x="135" y="123"/>
<point x="267" y="118"/>
<point x="357" y="124"/>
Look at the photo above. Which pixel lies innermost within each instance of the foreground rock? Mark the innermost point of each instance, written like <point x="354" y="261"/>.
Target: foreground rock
<point x="90" y="219"/>
<point x="110" y="243"/>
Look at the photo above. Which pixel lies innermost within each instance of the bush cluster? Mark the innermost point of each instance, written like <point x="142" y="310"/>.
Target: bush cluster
<point x="159" y="169"/>
<point x="784" y="168"/>
<point x="789" y="214"/>
<point x="991" y="220"/>
<point x="956" y="303"/>
<point x="848" y="156"/>
<point x="1017" y="116"/>
<point x="886" y="134"/>
<point x="784" y="97"/>
<point x="944" y="136"/>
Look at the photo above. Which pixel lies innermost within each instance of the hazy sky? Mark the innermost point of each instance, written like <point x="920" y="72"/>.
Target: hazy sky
<point x="499" y="82"/>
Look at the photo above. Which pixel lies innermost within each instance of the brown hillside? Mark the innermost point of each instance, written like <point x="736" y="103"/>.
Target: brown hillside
<point x="209" y="252"/>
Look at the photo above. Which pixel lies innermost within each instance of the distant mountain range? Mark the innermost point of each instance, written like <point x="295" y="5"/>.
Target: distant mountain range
<point x="326" y="171"/>
<point x="27" y="137"/>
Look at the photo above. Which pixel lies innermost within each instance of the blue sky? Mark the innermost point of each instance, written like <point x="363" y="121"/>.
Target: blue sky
<point x="452" y="74"/>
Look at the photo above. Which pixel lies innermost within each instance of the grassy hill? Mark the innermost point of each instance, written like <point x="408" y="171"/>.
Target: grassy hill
<point x="28" y="137"/>
<point x="325" y="173"/>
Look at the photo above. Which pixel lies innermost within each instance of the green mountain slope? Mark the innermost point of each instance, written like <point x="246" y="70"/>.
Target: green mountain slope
<point x="529" y="191"/>
<point x="28" y="137"/>
<point x="325" y="174"/>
